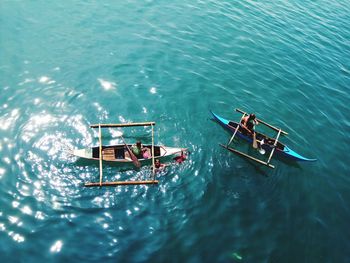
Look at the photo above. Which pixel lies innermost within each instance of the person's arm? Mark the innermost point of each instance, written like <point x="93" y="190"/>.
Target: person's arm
<point x="244" y="126"/>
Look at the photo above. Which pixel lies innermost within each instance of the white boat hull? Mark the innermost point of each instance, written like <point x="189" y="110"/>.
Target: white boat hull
<point x="119" y="153"/>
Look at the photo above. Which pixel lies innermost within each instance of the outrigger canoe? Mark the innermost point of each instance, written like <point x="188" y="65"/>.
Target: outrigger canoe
<point x="119" y="153"/>
<point x="268" y="143"/>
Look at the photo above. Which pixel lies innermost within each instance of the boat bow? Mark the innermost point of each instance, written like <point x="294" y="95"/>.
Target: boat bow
<point x="297" y="156"/>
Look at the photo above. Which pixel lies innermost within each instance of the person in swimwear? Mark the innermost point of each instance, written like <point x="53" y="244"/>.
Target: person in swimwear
<point x="158" y="164"/>
<point x="247" y="123"/>
<point x="181" y="158"/>
<point x="178" y="159"/>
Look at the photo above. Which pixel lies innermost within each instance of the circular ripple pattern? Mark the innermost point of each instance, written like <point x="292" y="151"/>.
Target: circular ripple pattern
<point x="67" y="65"/>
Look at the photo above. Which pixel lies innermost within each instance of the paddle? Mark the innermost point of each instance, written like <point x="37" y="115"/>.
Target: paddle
<point x="132" y="155"/>
<point x="255" y="144"/>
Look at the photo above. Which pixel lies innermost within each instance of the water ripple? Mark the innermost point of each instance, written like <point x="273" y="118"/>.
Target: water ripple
<point x="171" y="62"/>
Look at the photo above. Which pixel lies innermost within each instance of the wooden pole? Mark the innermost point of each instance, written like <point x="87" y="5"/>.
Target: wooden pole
<point x="153" y="165"/>
<point x="234" y="134"/>
<point x="115" y="125"/>
<point x="265" y="123"/>
<point x="274" y="146"/>
<point x="121" y="183"/>
<point x="248" y="156"/>
<point x="100" y="151"/>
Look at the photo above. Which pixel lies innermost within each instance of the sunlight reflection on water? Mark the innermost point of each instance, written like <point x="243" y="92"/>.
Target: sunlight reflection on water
<point x="56" y="247"/>
<point x="170" y="71"/>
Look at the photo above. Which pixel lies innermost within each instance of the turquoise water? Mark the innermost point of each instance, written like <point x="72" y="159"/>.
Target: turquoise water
<point x="67" y="64"/>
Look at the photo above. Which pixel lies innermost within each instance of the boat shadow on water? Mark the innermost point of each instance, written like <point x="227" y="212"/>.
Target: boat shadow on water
<point x="260" y="168"/>
<point x="120" y="167"/>
<point x="277" y="159"/>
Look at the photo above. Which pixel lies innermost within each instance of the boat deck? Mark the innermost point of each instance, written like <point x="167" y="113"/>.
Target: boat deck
<point x="119" y="152"/>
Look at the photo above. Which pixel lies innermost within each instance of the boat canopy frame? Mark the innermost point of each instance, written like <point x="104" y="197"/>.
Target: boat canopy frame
<point x="260" y="161"/>
<point x="117" y="183"/>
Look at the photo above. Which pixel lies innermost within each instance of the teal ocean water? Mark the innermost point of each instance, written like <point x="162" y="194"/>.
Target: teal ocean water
<point x="67" y="64"/>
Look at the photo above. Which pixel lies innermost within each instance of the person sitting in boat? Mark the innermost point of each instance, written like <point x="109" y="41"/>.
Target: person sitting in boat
<point x="137" y="149"/>
<point x="140" y="151"/>
<point x="267" y="140"/>
<point x="247" y="123"/>
<point x="146" y="153"/>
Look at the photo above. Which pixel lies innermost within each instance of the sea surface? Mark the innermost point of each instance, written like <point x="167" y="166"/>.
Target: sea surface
<point x="65" y="65"/>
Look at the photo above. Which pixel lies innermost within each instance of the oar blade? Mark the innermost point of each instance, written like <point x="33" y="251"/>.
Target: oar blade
<point x="134" y="158"/>
<point x="118" y="133"/>
<point x="255" y="144"/>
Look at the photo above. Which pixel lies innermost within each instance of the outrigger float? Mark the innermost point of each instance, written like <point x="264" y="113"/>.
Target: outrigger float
<point x="266" y="144"/>
<point x="122" y="153"/>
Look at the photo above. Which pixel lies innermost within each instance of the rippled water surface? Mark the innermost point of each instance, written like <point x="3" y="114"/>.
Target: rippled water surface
<point x="67" y="64"/>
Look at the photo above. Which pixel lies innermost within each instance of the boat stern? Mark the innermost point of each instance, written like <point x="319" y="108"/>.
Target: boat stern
<point x="168" y="151"/>
<point x="83" y="153"/>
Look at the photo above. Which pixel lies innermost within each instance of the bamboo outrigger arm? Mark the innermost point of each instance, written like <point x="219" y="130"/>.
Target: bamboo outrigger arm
<point x="115" y="125"/>
<point x="265" y="123"/>
<point x="100" y="152"/>
<point x="247" y="156"/>
<point x="236" y="130"/>
<point x="120" y="183"/>
<point x="153" y="162"/>
<point x="274" y="146"/>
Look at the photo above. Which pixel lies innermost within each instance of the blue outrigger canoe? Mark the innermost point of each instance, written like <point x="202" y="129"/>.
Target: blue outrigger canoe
<point x="281" y="149"/>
